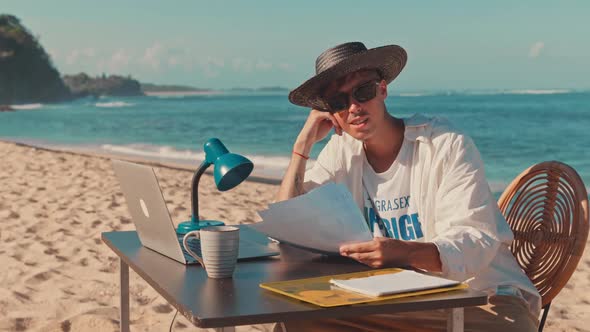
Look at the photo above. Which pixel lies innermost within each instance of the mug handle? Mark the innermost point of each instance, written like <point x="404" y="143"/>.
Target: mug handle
<point x="192" y="253"/>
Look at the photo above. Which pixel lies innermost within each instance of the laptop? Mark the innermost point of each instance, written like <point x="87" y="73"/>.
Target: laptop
<point x="153" y="223"/>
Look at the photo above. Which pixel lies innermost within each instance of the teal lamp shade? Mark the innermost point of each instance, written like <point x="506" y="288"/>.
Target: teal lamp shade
<point x="229" y="170"/>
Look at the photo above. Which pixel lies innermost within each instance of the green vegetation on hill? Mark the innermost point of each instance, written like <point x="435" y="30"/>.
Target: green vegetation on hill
<point x="82" y="85"/>
<point x="26" y="72"/>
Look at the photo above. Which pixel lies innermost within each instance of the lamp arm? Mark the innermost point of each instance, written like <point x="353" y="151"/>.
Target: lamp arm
<point x="195" y="190"/>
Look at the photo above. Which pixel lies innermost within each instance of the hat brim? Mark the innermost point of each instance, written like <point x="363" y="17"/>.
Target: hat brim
<point x="389" y="60"/>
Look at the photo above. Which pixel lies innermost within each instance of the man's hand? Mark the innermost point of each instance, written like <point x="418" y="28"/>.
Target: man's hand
<point x="386" y="252"/>
<point x="380" y="252"/>
<point x="317" y="126"/>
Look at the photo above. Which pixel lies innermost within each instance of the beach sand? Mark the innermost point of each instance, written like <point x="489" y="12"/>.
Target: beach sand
<point x="57" y="275"/>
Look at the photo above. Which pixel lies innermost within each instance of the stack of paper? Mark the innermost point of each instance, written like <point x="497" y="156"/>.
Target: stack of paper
<point x="320" y="220"/>
<point x="393" y="283"/>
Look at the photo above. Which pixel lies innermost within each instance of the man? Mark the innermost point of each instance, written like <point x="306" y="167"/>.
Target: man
<point x="421" y="186"/>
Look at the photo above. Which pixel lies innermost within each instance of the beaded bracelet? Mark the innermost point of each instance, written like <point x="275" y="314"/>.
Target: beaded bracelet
<point x="301" y="155"/>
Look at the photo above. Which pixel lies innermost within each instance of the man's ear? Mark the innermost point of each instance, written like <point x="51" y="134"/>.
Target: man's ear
<point x="383" y="88"/>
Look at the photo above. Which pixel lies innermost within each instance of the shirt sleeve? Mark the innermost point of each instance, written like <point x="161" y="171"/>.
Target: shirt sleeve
<point x="324" y="168"/>
<point x="469" y="225"/>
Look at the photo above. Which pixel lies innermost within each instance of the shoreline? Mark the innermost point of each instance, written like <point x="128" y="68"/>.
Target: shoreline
<point x="255" y="177"/>
<point x="260" y="175"/>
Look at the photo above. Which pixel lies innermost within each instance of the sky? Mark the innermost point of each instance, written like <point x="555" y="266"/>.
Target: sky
<point x="451" y="45"/>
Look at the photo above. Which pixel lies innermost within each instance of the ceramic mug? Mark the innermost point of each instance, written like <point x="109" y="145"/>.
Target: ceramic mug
<point x="219" y="249"/>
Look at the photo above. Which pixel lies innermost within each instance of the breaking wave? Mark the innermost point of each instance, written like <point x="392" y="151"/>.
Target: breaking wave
<point x="113" y="104"/>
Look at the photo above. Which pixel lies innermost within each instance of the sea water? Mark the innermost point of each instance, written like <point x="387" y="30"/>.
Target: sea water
<point x="512" y="129"/>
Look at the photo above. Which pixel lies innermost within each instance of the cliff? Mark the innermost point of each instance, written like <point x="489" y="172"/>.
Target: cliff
<point x="27" y="74"/>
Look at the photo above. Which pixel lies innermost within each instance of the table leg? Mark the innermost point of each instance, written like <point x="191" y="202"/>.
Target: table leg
<point x="124" y="309"/>
<point x="456" y="320"/>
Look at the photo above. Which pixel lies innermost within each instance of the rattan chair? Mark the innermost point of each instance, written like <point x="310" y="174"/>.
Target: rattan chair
<point x="547" y="209"/>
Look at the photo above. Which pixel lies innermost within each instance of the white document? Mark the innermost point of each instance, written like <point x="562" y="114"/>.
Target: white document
<point x="393" y="283"/>
<point x="320" y="220"/>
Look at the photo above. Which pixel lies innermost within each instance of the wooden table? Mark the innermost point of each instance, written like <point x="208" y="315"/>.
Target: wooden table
<point x="225" y="303"/>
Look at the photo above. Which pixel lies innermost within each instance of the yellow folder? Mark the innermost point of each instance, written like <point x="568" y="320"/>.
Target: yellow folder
<point x="320" y="292"/>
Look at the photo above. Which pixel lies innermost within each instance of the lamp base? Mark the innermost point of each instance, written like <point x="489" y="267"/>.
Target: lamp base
<point x="189" y="226"/>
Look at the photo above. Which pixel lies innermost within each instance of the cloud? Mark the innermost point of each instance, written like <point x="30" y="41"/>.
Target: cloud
<point x="242" y="65"/>
<point x="161" y="56"/>
<point x="210" y="72"/>
<point x="152" y="56"/>
<point x="286" y="66"/>
<point x="217" y="62"/>
<point x="262" y="65"/>
<point x="248" y="66"/>
<point x="211" y="66"/>
<point x="80" y="55"/>
<point x="536" y="49"/>
<point x="119" y="60"/>
<point x="53" y="53"/>
<point x="165" y="57"/>
<point x="173" y="61"/>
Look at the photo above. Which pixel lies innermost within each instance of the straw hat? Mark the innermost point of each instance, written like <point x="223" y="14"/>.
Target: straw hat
<point x="344" y="59"/>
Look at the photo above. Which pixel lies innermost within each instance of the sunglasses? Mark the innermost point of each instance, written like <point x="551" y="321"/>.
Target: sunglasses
<point x="362" y="93"/>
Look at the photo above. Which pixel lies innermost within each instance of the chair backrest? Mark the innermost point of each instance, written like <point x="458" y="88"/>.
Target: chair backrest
<point x="547" y="209"/>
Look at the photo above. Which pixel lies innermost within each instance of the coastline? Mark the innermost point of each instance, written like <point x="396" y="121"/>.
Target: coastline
<point x="256" y="176"/>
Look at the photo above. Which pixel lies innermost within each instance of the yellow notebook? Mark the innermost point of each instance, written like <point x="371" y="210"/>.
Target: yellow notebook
<point x="321" y="292"/>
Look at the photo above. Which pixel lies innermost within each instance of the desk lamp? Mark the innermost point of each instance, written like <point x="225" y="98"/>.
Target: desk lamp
<point x="229" y="170"/>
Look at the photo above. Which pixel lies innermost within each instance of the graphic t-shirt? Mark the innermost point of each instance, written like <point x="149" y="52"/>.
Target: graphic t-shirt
<point x="390" y="192"/>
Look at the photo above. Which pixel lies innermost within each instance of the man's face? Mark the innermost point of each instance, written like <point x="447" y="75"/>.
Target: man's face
<point x="361" y="118"/>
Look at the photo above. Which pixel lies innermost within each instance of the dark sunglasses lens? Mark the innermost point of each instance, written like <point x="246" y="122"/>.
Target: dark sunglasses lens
<point x="365" y="92"/>
<point x="338" y="103"/>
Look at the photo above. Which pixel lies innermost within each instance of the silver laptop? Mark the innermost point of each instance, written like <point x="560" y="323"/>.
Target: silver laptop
<point x="153" y="223"/>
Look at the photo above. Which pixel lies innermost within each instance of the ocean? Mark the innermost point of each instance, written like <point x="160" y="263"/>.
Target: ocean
<point x="512" y="129"/>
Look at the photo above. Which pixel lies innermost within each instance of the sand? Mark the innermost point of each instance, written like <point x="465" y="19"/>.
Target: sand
<point x="57" y="275"/>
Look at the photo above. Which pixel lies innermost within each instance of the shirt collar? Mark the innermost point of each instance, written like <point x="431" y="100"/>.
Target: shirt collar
<point x="418" y="128"/>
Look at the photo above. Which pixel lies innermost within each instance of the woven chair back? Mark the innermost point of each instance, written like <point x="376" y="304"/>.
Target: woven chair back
<point x="547" y="209"/>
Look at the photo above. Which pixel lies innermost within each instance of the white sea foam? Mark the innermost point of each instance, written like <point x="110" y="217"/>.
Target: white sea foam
<point x="267" y="166"/>
<point x="537" y="92"/>
<point x="182" y="94"/>
<point x="27" y="106"/>
<point x="151" y="151"/>
<point x="484" y="92"/>
<point x="112" y="104"/>
<point x="414" y="94"/>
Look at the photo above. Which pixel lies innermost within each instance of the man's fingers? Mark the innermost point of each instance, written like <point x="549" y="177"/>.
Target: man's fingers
<point x="348" y="249"/>
<point x="366" y="258"/>
<point x="337" y="127"/>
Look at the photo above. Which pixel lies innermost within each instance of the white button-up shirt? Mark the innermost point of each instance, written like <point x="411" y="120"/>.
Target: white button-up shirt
<point x="454" y="201"/>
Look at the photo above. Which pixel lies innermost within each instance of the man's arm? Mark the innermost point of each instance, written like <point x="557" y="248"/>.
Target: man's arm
<point x="317" y="126"/>
<point x="292" y="184"/>
<point x="470" y="228"/>
<point x="384" y="252"/>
